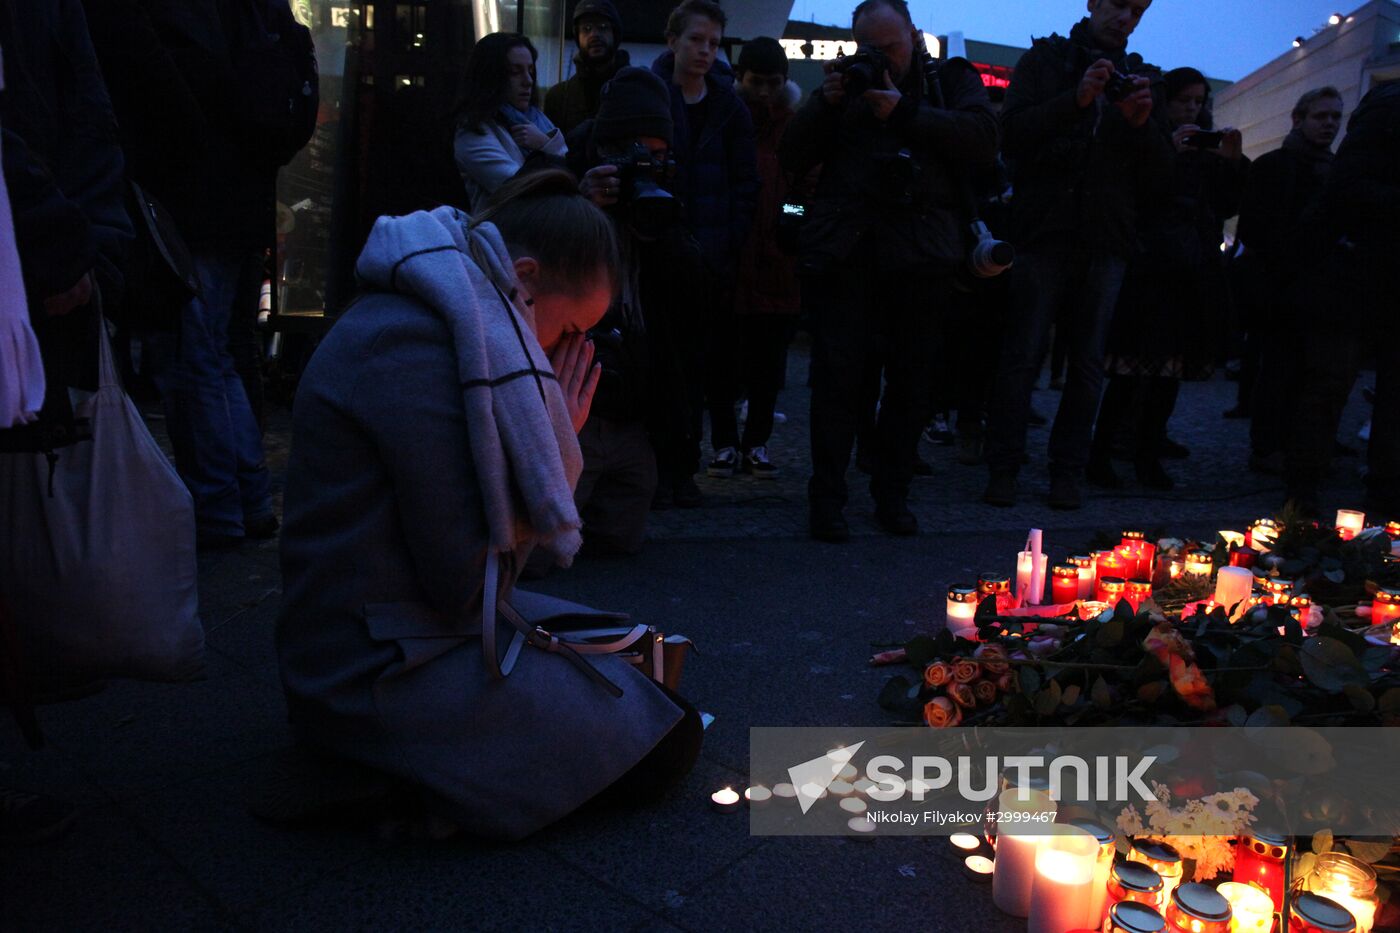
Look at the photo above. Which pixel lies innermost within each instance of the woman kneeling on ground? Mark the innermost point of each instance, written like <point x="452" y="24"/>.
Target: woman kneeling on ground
<point x="435" y="440"/>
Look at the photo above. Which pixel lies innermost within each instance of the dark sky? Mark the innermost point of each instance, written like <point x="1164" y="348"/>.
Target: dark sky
<point x="1224" y="38"/>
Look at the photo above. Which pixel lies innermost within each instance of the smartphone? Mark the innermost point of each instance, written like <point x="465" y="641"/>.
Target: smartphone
<point x="1206" y="140"/>
<point x="794" y="210"/>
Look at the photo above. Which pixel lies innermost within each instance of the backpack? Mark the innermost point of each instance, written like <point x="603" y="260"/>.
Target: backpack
<point x="274" y="63"/>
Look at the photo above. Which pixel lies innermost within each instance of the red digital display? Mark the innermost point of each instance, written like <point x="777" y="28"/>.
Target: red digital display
<point x="994" y="75"/>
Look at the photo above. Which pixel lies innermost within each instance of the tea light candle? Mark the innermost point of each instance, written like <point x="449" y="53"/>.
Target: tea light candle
<point x="1350" y="523"/>
<point x="1175" y="568"/>
<point x="1233" y="586"/>
<point x="758" y="795"/>
<point x="1242" y="556"/>
<point x="1015" y="859"/>
<point x="965" y="841"/>
<point x="1084" y="564"/>
<point x="1199" y="564"/>
<point x="1026" y="576"/>
<point x="1251" y="910"/>
<point x="839" y="788"/>
<point x="979" y="868"/>
<point x="1064" y="584"/>
<point x="1196" y="908"/>
<point x="726" y="800"/>
<point x="848" y="774"/>
<point x="1262" y="534"/>
<point x="1062" y="889"/>
<point x="860" y="826"/>
<point x="854" y="805"/>
<point x="1092" y="609"/>
<point x="784" y="791"/>
<point x="1111" y="590"/>
<point x="1385" y="608"/>
<point x="1137" y="593"/>
<point x="962" y="609"/>
<point x="863" y="786"/>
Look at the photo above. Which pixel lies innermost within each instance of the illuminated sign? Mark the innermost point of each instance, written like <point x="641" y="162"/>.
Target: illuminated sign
<point x="824" y="50"/>
<point x="994" y="75"/>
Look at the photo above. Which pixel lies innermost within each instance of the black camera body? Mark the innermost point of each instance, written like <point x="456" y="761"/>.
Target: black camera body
<point x="1206" y="139"/>
<point x="640" y="176"/>
<point x="863" y="70"/>
<point x="1119" y="86"/>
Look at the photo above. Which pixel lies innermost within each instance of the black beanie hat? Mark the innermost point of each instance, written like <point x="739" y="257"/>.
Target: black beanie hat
<point x="763" y="55"/>
<point x="603" y="8"/>
<point x="634" y="103"/>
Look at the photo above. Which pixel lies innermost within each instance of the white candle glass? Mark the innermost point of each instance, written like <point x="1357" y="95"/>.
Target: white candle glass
<point x="1062" y="891"/>
<point x="1252" y="910"/>
<point x="1350" y="523"/>
<point x="1234" y="585"/>
<point x="1015" y="861"/>
<point x="1025" y="577"/>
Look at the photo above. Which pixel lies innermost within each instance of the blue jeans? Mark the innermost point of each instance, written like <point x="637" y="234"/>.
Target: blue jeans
<point x="218" y="448"/>
<point x="1086" y="285"/>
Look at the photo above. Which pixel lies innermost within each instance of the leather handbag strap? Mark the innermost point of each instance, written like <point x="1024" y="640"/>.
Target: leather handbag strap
<point x="628" y="639"/>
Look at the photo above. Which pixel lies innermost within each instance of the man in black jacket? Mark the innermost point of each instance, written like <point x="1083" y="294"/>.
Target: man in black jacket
<point x="1083" y="147"/>
<point x="598" y="32"/>
<point x="884" y="235"/>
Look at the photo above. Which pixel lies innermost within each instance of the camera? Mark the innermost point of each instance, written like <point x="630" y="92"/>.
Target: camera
<point x="863" y="70"/>
<point x="989" y="257"/>
<point x="640" y="174"/>
<point x="1205" y="140"/>
<point x="1119" y="86"/>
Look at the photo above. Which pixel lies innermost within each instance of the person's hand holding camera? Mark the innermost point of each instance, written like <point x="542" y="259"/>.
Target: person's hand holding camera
<point x="601" y="185"/>
<point x="528" y="136"/>
<point x="883" y="102"/>
<point x="1137" y="106"/>
<point x="1181" y="134"/>
<point x="578" y="375"/>
<point x="1232" y="147"/>
<point x="1093" y="82"/>
<point x="834" y="85"/>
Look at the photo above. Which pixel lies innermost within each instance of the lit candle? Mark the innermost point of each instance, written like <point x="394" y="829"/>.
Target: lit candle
<point x="1232" y="539"/>
<point x="1233" y="586"/>
<point x="1103" y="868"/>
<point x="726" y="800"/>
<point x="1262" y="534"/>
<point x="784" y="791"/>
<point x="1131" y="917"/>
<point x="1350" y="523"/>
<point x="1279" y="591"/>
<point x="1092" y="609"/>
<point x="1393" y="530"/>
<point x="1243" y="556"/>
<point x="1111" y="564"/>
<point x="1039" y="562"/>
<point x="848" y="774"/>
<point x="1348" y="881"/>
<point x="965" y="841"/>
<point x="979" y="868"/>
<point x="1251" y="910"/>
<point x="1015" y="859"/>
<point x="1137" y="593"/>
<point x="1385" y="608"/>
<point x="1199" y="564"/>
<point x="1175" y="568"/>
<point x="1025" y="576"/>
<point x="998" y="587"/>
<point x="1062" y="890"/>
<point x="1132" y="562"/>
<point x="758" y="795"/>
<point x="840" y="788"/>
<point x="860" y="826"/>
<point x="1144" y="551"/>
<point x="1064" y="584"/>
<point x="1161" y="858"/>
<point x="1133" y="882"/>
<point x="1084" y="564"/>
<point x="1313" y="913"/>
<point x="1196" y="908"/>
<point x="1301" y="608"/>
<point x="1111" y="590"/>
<point x="962" y="610"/>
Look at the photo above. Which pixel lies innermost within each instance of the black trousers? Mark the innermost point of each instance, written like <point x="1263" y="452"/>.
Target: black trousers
<point x="756" y="359"/>
<point x="860" y="315"/>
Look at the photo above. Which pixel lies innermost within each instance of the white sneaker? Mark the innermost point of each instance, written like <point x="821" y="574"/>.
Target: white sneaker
<point x="725" y="463"/>
<point x="756" y="462"/>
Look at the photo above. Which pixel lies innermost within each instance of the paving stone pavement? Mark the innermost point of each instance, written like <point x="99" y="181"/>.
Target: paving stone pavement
<point x="784" y="625"/>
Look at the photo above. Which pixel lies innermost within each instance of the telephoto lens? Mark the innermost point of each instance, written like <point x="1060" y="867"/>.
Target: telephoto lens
<point x="990" y="257"/>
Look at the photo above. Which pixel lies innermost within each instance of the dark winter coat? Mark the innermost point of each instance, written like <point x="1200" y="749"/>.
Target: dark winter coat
<point x="768" y="281"/>
<point x="1177" y="280"/>
<point x="169" y="66"/>
<point x="570" y="102"/>
<point x="1361" y="200"/>
<point x="716" y="170"/>
<point x="896" y="189"/>
<point x="1078" y="173"/>
<point x="1284" y="187"/>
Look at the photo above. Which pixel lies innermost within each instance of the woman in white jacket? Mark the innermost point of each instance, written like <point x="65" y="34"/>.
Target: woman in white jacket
<point x="499" y="120"/>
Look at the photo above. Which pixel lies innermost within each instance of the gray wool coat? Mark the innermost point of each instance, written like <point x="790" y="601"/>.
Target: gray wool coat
<point x="383" y="563"/>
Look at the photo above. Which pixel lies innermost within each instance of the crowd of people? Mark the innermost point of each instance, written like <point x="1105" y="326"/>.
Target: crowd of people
<point x="527" y="375"/>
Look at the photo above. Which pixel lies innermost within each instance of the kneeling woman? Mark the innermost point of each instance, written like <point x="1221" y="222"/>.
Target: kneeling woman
<point x="435" y="441"/>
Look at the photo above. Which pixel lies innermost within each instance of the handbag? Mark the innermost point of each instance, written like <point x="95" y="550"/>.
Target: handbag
<point x="574" y="631"/>
<point x="98" y="569"/>
<point x="160" y="274"/>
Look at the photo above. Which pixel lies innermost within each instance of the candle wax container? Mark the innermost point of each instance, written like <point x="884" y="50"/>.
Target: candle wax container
<point x="1350" y="523"/>
<point x="1196" y="908"/>
<point x="1250" y="907"/>
<point x="1064" y="584"/>
<point x="1137" y="593"/>
<point x="1111" y="590"/>
<point x="1015" y="859"/>
<point x="1111" y="564"/>
<point x="1313" y="913"/>
<point x="1161" y="858"/>
<point x="1130" y="917"/>
<point x="979" y="868"/>
<point x="1133" y="882"/>
<point x="1103" y="869"/>
<point x="1385" y="608"/>
<point x="1084" y="564"/>
<point x="1062" y="892"/>
<point x="1348" y="881"/>
<point x="758" y="795"/>
<point x="1025" y="574"/>
<point x="962" y="609"/>
<point x="997" y="586"/>
<point x="1242" y="556"/>
<point x="1198" y="565"/>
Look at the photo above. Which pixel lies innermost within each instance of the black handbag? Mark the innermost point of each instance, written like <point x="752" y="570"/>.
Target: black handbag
<point x="160" y="276"/>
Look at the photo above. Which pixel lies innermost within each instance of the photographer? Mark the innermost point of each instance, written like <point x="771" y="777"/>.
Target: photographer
<point x="644" y="401"/>
<point x="885" y="234"/>
<point x="1084" y="149"/>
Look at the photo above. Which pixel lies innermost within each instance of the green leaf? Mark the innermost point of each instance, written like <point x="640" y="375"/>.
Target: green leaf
<point x="1375" y="657"/>
<point x="1360" y="698"/>
<point x="921" y="650"/>
<point x="1322" y="841"/>
<point x="1331" y="665"/>
<point x="1368" y="850"/>
<point x="1071" y="695"/>
<point x="1030" y="681"/>
<point x="1048" y="700"/>
<point x="1307" y="864"/>
<point x="892" y="696"/>
<point x="1110" y="635"/>
<point x="1100" y="694"/>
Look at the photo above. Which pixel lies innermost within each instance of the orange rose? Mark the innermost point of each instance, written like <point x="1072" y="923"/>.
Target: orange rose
<point x="966" y="670"/>
<point x="985" y="691"/>
<point x="941" y="712"/>
<point x="1008" y="682"/>
<point x="1167" y="645"/>
<point x="992" y="658"/>
<point x="938" y="673"/>
<point x="962" y="695"/>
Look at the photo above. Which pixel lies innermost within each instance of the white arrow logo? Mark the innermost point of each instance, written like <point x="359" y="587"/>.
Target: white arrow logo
<point x="812" y="778"/>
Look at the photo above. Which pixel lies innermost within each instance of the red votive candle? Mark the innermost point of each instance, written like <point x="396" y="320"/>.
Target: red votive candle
<point x="1243" y="557"/>
<point x="1137" y="592"/>
<point x="1385" y="609"/>
<point x="1111" y="564"/>
<point x="1110" y="590"/>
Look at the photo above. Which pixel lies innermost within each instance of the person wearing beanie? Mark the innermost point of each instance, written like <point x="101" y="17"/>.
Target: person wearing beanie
<point x="598" y="32"/>
<point x="767" y="298"/>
